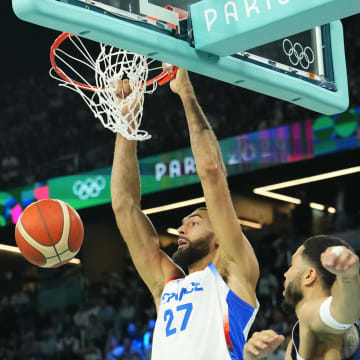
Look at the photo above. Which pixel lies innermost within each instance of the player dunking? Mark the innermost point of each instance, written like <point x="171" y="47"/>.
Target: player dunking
<point x="208" y="313"/>
<point x="323" y="287"/>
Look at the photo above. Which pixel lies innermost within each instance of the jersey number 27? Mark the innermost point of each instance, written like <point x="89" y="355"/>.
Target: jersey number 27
<point x="169" y="317"/>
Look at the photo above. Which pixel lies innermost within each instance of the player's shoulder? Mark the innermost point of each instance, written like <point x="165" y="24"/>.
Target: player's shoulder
<point x="308" y="309"/>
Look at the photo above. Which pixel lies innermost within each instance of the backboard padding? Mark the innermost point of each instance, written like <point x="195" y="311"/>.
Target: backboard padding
<point x="160" y="45"/>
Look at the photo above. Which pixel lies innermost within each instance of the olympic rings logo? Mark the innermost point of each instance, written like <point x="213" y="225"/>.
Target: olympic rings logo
<point x="89" y="188"/>
<point x="298" y="55"/>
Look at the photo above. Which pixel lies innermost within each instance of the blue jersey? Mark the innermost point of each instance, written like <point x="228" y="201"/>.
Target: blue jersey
<point x="201" y="318"/>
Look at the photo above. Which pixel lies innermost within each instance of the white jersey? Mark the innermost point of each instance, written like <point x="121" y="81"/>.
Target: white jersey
<point x="200" y="318"/>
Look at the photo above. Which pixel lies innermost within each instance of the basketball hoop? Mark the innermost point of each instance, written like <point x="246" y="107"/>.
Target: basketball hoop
<point x="95" y="80"/>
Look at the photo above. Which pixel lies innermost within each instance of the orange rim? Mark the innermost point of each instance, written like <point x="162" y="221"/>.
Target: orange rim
<point x="161" y="79"/>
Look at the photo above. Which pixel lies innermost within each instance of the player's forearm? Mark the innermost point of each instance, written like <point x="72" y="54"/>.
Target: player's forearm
<point x="125" y="178"/>
<point x="204" y="144"/>
<point x="346" y="292"/>
<point x="343" y="308"/>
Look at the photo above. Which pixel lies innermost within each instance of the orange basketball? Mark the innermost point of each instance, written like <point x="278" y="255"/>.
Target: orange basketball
<point x="49" y="233"/>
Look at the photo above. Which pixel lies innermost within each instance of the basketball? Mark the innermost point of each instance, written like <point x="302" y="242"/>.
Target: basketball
<point x="49" y="233"/>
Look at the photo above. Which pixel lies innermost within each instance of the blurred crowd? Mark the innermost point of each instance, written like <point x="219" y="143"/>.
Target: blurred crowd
<point x="51" y="132"/>
<point x="114" y="317"/>
<point x="48" y="131"/>
<point x="114" y="320"/>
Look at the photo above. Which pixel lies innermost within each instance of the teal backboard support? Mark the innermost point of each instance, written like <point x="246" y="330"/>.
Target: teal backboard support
<point x="149" y="41"/>
<point x="225" y="27"/>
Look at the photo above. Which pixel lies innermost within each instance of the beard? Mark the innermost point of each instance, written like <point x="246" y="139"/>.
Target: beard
<point x="293" y="295"/>
<point x="193" y="252"/>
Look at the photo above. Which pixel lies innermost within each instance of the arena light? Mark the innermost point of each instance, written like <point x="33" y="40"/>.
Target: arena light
<point x="173" y="206"/>
<point x="75" y="261"/>
<point x="8" y="248"/>
<point x="277" y="196"/>
<point x="317" y="206"/>
<point x="15" y="250"/>
<point x="310" y="179"/>
<point x="250" y="224"/>
<point x="172" y="231"/>
<point x="267" y="190"/>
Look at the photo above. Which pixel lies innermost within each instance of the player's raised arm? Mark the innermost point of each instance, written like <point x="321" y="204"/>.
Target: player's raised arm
<point x="342" y="309"/>
<point x="343" y="263"/>
<point x="153" y="265"/>
<point x="337" y="308"/>
<point x="212" y="173"/>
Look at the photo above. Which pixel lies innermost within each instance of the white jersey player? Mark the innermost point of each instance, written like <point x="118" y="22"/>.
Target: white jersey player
<point x="203" y="317"/>
<point x="207" y="313"/>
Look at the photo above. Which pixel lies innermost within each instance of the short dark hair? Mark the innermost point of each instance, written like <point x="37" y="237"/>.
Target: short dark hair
<point x="314" y="247"/>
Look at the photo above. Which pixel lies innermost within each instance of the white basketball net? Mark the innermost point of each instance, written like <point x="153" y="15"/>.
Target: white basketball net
<point x="122" y="116"/>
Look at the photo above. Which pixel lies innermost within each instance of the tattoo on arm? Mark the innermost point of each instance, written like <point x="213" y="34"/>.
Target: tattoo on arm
<point x="351" y="342"/>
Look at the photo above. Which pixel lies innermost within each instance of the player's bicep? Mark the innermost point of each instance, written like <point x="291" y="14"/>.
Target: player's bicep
<point x="226" y="225"/>
<point x="321" y="319"/>
<point x="152" y="264"/>
<point x="155" y="268"/>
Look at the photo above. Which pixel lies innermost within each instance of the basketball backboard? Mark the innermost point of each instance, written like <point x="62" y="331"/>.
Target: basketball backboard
<point x="306" y="69"/>
<point x="221" y="26"/>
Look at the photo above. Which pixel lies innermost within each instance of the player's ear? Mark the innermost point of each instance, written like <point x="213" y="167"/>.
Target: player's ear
<point x="310" y="276"/>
